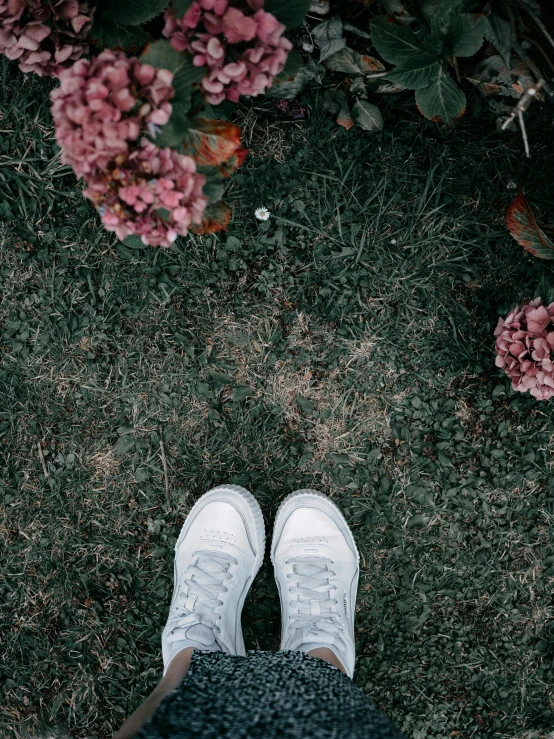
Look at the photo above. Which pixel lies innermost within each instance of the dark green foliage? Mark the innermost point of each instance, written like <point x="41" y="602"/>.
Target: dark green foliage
<point x="289" y="12"/>
<point x="422" y="60"/>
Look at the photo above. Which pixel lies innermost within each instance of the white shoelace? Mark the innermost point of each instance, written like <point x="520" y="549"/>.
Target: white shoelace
<point x="197" y="603"/>
<point x="311" y="582"/>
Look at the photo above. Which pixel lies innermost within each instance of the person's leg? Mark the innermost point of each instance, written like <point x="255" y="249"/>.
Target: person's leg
<point x="176" y="671"/>
<point x="328" y="656"/>
<point x="316" y="567"/>
<point x="217" y="556"/>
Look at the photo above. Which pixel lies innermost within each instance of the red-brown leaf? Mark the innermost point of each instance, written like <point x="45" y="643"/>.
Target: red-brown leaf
<point x="525" y="230"/>
<point x="211" y="142"/>
<point x="216" y="218"/>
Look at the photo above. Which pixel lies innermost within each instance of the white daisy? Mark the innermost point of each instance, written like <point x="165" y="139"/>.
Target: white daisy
<point x="262" y="214"/>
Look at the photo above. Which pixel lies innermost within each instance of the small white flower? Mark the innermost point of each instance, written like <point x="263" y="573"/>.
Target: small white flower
<point x="393" y="241"/>
<point x="262" y="214"/>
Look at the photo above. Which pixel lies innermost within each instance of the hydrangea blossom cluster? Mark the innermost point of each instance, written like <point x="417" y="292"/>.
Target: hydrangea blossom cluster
<point x="525" y="348"/>
<point x="155" y="194"/>
<point x="101" y="107"/>
<point x="43" y="36"/>
<point x="211" y="29"/>
<point x="100" y="111"/>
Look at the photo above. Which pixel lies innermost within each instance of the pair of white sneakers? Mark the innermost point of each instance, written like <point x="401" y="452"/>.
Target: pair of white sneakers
<point x="219" y="552"/>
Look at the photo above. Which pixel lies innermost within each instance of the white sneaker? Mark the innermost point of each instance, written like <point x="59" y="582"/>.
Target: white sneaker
<point x="316" y="568"/>
<point x="218" y="554"/>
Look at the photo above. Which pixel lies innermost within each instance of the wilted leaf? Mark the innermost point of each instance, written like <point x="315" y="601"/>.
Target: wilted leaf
<point x="420" y="71"/>
<point x="499" y="33"/>
<point x="357" y="87"/>
<point x="493" y="69"/>
<point x="442" y="101"/>
<point x="397" y="9"/>
<point x="355" y="30"/>
<point x="135" y="12"/>
<point x="288" y="89"/>
<point x="211" y="142"/>
<point x="107" y="34"/>
<point x="350" y="62"/>
<point x="344" y="118"/>
<point x="525" y="230"/>
<point x="474" y="27"/>
<point x="216" y="218"/>
<point x="289" y="12"/>
<point x="396" y="44"/>
<point x="329" y="37"/>
<point x="367" y="116"/>
<point x="320" y="7"/>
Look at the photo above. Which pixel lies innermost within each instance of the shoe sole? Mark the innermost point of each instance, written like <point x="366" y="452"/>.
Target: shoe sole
<point x="259" y="530"/>
<point x="279" y="519"/>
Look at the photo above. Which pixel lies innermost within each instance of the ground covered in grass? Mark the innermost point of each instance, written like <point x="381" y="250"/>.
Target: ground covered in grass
<point x="344" y="344"/>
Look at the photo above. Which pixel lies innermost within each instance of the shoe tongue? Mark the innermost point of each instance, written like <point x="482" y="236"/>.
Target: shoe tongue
<point x="202" y="634"/>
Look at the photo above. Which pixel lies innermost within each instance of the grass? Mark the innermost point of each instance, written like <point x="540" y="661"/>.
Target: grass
<point x="344" y="344"/>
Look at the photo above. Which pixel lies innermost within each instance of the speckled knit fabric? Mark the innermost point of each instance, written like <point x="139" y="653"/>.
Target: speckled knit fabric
<point x="266" y="695"/>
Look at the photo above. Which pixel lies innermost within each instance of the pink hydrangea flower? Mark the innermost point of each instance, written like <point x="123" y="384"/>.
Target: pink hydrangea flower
<point x="155" y="194"/>
<point x="44" y="37"/>
<point x="525" y="348"/>
<point x="101" y="108"/>
<point x="210" y="27"/>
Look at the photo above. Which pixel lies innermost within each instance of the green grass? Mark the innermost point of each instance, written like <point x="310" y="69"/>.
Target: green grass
<point x="310" y="350"/>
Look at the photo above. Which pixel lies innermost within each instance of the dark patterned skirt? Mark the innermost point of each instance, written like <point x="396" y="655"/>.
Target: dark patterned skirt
<point x="266" y="695"/>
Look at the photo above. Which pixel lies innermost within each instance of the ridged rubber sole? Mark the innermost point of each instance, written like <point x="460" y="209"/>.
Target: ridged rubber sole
<point x="279" y="518"/>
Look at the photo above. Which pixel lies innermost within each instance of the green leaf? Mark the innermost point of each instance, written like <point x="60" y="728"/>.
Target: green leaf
<point x="180" y="7"/>
<point x="107" y="34"/>
<point x="441" y="101"/>
<point x="367" y="116"/>
<point x="173" y="133"/>
<point x="306" y="405"/>
<point x="241" y="392"/>
<point x="134" y="242"/>
<point x="420" y="71"/>
<point x="289" y="12"/>
<point x="448" y="25"/>
<point x="135" y="12"/>
<point x="162" y="55"/>
<point x="214" y="186"/>
<point x="396" y="44"/>
<point x="472" y="37"/>
<point x="499" y="34"/>
<point x="288" y="89"/>
<point x="185" y="80"/>
<point x="329" y="37"/>
<point x="219" y="378"/>
<point x="292" y="65"/>
<point x="430" y="8"/>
